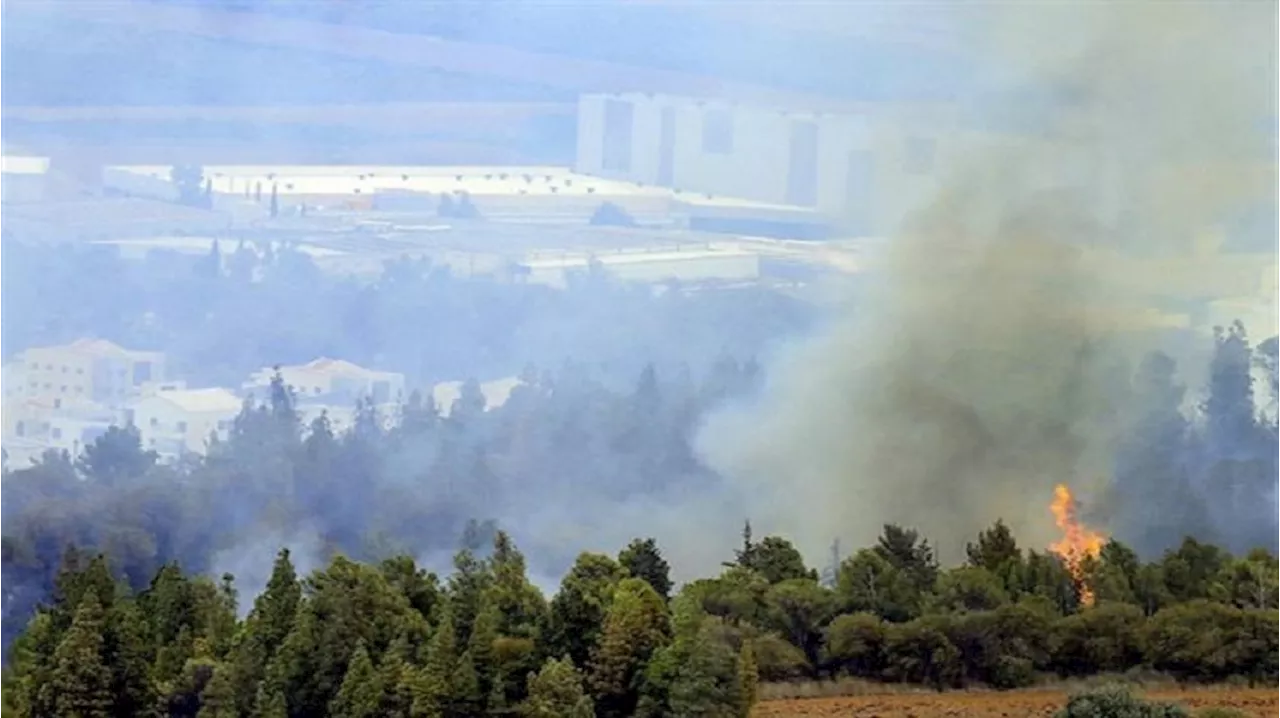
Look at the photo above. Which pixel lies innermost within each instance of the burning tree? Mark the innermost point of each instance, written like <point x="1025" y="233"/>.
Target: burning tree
<point x="1078" y="542"/>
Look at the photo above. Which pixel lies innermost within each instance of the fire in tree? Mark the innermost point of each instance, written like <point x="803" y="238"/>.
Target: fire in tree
<point x="1078" y="541"/>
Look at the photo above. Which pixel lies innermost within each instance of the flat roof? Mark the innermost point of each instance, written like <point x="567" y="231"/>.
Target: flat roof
<point x="201" y="400"/>
<point x="364" y="181"/>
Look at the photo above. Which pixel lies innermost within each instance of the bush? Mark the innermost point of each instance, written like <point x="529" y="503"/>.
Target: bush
<point x="1117" y="702"/>
<point x="778" y="660"/>
<point x="920" y="652"/>
<point x="854" y="645"/>
<point x="1101" y="640"/>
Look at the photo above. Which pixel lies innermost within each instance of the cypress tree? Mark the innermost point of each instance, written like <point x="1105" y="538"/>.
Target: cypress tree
<point x="480" y="648"/>
<point x="748" y="676"/>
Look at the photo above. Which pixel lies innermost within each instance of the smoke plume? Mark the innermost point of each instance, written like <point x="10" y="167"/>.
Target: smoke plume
<point x="982" y="368"/>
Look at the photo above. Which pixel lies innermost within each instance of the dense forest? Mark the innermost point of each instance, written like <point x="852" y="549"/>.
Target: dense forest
<point x="391" y="639"/>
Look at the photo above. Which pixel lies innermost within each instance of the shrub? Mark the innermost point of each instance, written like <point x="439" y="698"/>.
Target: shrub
<point x="1117" y="702"/>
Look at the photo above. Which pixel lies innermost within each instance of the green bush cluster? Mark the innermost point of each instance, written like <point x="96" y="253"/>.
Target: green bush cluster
<point x="1117" y="702"/>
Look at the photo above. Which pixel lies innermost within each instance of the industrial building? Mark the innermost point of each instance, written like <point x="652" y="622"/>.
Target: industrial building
<point x="859" y="169"/>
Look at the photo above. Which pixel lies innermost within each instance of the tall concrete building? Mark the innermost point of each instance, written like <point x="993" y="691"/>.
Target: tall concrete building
<point x="861" y="169"/>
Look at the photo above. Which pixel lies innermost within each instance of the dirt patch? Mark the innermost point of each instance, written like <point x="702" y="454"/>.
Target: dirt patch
<point x="1257" y="703"/>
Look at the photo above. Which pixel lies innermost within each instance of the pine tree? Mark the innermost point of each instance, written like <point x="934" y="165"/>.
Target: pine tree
<point x="169" y="604"/>
<point x="361" y="693"/>
<point x="428" y="699"/>
<point x="81" y="683"/>
<point x="480" y="648"/>
<point x="270" y="702"/>
<point x="464" y="687"/>
<point x="77" y="579"/>
<point x="442" y="653"/>
<point x="642" y="559"/>
<point x="394" y="677"/>
<point x="577" y="611"/>
<point x="432" y="685"/>
<point x="270" y="621"/>
<point x="635" y="626"/>
<point x="127" y="654"/>
<point x="520" y="607"/>
<point x="274" y="610"/>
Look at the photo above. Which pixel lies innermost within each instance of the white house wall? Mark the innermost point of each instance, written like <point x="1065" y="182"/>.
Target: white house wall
<point x="168" y="429"/>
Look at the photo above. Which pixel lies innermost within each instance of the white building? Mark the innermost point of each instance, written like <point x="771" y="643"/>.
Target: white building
<point x="72" y="432"/>
<point x="13" y="377"/>
<point x="861" y="169"/>
<point x="33" y="425"/>
<point x="86" y="369"/>
<point x="333" y="382"/>
<point x="174" y="422"/>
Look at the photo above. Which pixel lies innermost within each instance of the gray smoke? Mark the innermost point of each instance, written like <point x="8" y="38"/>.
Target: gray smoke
<point x="982" y="367"/>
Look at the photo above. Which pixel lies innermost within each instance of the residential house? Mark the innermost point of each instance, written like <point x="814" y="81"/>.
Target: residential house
<point x="332" y="382"/>
<point x="34" y="424"/>
<point x="86" y="369"/>
<point x="179" y="421"/>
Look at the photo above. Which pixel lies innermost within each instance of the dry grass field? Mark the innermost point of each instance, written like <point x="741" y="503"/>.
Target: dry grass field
<point x="1256" y="703"/>
<point x="1252" y="702"/>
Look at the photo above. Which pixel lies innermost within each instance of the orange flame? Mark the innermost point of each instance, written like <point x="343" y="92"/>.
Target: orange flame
<point x="1078" y="541"/>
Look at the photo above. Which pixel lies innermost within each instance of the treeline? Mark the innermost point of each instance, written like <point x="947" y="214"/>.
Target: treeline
<point x="564" y="448"/>
<point x="390" y="639"/>
<point x="375" y="640"/>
